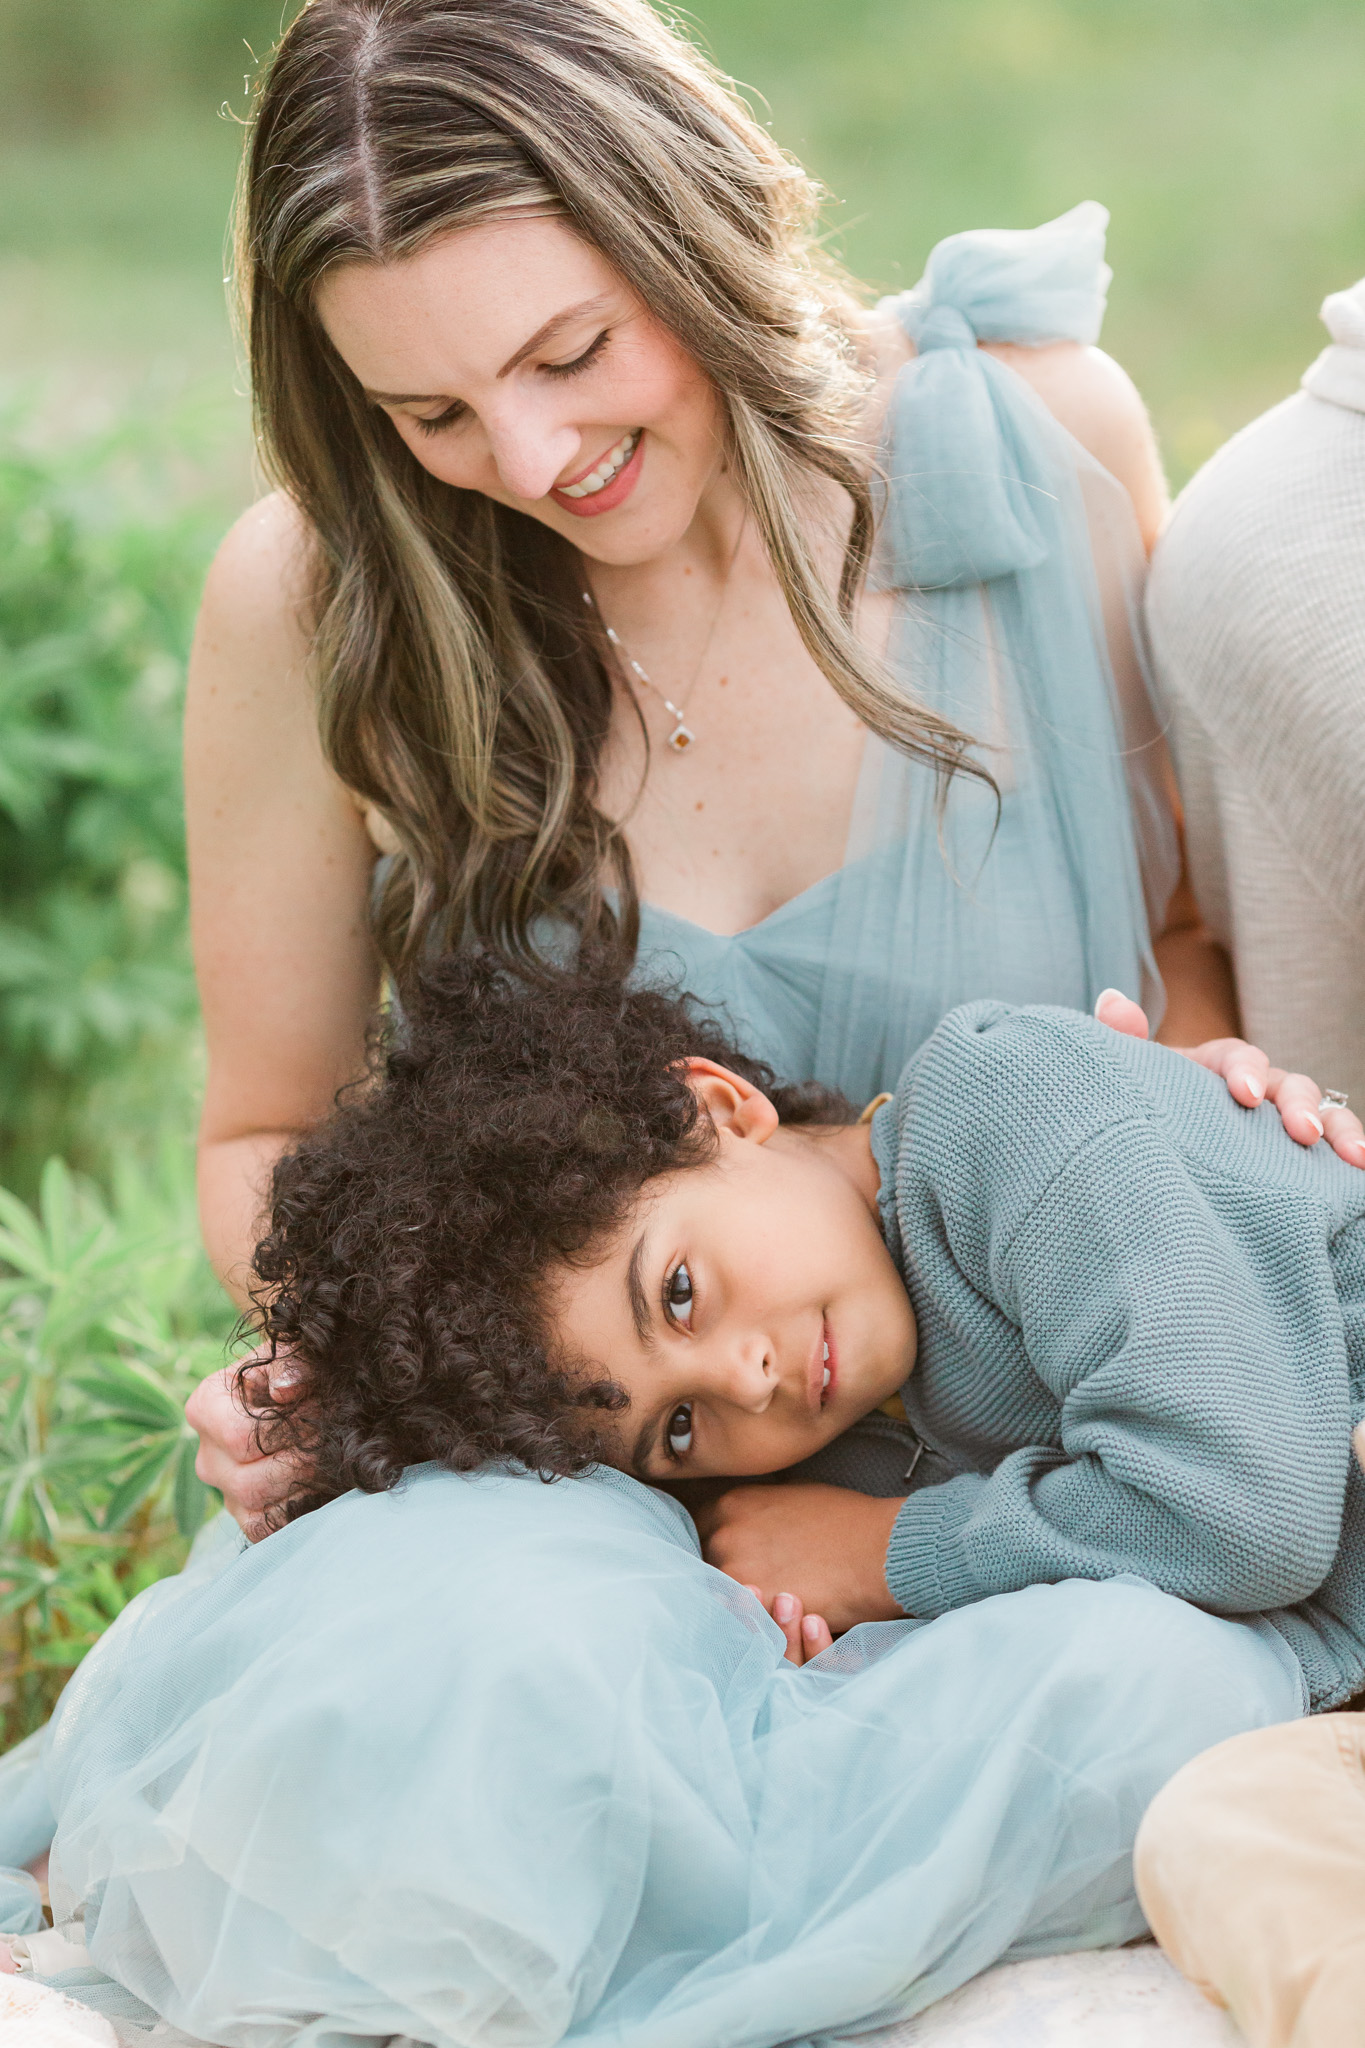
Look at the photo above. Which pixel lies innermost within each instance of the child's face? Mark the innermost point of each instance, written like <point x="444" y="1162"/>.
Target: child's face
<point x="748" y="1307"/>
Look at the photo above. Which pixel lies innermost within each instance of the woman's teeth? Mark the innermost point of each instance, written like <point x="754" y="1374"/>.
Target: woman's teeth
<point x="611" y="465"/>
<point x="825" y="1381"/>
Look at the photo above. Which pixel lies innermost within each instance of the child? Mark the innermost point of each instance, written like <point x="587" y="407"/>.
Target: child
<point x="1125" y="1316"/>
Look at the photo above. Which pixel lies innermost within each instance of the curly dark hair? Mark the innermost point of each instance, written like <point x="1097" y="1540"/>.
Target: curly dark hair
<point x="506" y="1129"/>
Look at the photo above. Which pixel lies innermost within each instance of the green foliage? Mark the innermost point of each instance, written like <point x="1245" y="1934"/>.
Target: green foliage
<point x="85" y="60"/>
<point x="96" y="598"/>
<point x="108" y="1312"/>
<point x="108" y="1318"/>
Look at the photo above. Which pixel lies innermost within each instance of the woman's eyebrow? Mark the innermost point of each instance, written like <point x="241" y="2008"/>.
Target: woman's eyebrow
<point x="542" y="334"/>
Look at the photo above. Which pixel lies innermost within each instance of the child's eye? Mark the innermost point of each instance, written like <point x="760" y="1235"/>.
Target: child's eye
<point x="678" y="1295"/>
<point x="678" y="1430"/>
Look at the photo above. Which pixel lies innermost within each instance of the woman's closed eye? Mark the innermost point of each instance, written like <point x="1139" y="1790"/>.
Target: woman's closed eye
<point x="678" y="1296"/>
<point x="441" y="420"/>
<point x="453" y="414"/>
<point x="580" y="363"/>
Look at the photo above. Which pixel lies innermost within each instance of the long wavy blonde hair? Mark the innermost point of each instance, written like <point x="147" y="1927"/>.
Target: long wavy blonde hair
<point x="461" y="688"/>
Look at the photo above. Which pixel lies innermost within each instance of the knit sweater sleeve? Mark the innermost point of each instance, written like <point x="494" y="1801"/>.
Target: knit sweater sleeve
<point x="1196" y="1437"/>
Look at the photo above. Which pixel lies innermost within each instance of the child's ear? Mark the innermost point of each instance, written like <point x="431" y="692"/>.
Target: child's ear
<point x="732" y="1103"/>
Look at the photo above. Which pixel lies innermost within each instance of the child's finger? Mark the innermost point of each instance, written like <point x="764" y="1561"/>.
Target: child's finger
<point x="815" y="1635"/>
<point x="787" y="1613"/>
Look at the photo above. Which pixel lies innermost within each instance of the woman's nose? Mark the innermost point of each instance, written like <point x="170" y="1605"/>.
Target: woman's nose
<point x="529" y="454"/>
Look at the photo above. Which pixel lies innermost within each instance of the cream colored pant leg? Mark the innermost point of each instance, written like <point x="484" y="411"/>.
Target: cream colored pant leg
<point x="1251" y="1870"/>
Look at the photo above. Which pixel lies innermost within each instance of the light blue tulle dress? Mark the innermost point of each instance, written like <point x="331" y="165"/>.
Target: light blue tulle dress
<point x="1017" y="563"/>
<point x="499" y="1763"/>
<point x="492" y="1762"/>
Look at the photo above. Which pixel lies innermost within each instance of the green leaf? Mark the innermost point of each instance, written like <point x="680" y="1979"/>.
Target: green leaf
<point x="133" y="1490"/>
<point x="131" y="1393"/>
<point x="190" y="1495"/>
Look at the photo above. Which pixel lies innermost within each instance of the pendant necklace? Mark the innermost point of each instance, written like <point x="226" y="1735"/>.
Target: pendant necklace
<point x="682" y="738"/>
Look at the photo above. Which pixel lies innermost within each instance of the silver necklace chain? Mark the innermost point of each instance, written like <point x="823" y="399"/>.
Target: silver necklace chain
<point x="682" y="738"/>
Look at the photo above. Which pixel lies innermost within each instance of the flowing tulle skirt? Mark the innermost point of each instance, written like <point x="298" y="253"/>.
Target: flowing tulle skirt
<point x="490" y="1761"/>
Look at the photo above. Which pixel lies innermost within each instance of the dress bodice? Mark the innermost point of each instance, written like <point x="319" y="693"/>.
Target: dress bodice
<point x="1017" y="568"/>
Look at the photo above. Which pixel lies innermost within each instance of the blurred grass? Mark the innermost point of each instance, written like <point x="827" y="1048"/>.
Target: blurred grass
<point x="1223" y="134"/>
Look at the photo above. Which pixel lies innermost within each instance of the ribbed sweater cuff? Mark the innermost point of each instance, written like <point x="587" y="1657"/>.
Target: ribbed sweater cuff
<point x="926" y="1564"/>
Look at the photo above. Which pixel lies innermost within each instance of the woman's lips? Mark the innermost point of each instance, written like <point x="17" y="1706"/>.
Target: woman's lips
<point x="611" y="494"/>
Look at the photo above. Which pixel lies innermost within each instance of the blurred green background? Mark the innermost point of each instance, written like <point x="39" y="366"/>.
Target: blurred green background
<point x="1223" y="134"/>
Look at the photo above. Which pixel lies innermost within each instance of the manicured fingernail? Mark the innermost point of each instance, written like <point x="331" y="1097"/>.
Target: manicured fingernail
<point x="784" y="1607"/>
<point x="1253" y="1085"/>
<point x="1316" y="1122"/>
<point x="1104" y="996"/>
<point x="810" y="1627"/>
<point x="1358" y="1145"/>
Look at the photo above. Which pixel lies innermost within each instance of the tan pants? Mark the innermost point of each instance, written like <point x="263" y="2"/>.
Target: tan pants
<point x="1251" y="1869"/>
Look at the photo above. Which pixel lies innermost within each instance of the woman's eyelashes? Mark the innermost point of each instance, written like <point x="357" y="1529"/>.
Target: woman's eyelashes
<point x="678" y="1296"/>
<point x="579" y="363"/>
<point x="440" y="421"/>
<point x="453" y="414"/>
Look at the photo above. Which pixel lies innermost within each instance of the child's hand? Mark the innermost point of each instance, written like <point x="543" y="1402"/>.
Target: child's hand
<point x="807" y="1634"/>
<point x="825" y="1546"/>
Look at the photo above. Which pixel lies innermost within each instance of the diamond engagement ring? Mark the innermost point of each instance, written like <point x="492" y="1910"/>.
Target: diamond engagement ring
<point x="1333" y="1098"/>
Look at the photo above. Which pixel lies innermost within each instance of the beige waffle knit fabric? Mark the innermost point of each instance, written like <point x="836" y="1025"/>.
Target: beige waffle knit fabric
<point x="1256" y="611"/>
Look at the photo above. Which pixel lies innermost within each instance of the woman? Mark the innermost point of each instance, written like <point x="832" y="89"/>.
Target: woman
<point x="564" y="608"/>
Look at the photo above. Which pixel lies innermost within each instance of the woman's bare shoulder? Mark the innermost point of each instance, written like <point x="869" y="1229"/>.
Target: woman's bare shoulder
<point x="1097" y="402"/>
<point x="249" y="695"/>
<point x="261" y="578"/>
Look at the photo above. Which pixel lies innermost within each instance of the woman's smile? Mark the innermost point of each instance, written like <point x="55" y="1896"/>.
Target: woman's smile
<point x="607" y="482"/>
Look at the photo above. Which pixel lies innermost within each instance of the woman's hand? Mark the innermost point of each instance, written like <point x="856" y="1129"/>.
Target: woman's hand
<point x="230" y="1459"/>
<point x="1252" y="1080"/>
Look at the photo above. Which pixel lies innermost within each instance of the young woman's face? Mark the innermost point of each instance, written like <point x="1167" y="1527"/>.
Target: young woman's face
<point x="749" y="1307"/>
<point x="514" y="361"/>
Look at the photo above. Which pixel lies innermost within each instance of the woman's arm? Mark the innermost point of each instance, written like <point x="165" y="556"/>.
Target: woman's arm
<point x="279" y="872"/>
<point x="1099" y="404"/>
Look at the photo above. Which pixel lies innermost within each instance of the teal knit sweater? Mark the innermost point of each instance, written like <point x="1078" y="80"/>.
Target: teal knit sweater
<point x="1142" y="1333"/>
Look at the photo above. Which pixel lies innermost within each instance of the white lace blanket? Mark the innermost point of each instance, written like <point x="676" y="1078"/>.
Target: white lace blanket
<point x="1108" y="1998"/>
<point x="1113" y="1998"/>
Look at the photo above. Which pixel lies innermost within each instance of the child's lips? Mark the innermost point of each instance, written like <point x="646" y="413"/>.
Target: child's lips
<point x="820" y="1378"/>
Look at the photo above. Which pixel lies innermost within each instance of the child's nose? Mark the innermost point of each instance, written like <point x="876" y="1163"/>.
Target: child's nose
<point x="748" y="1373"/>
